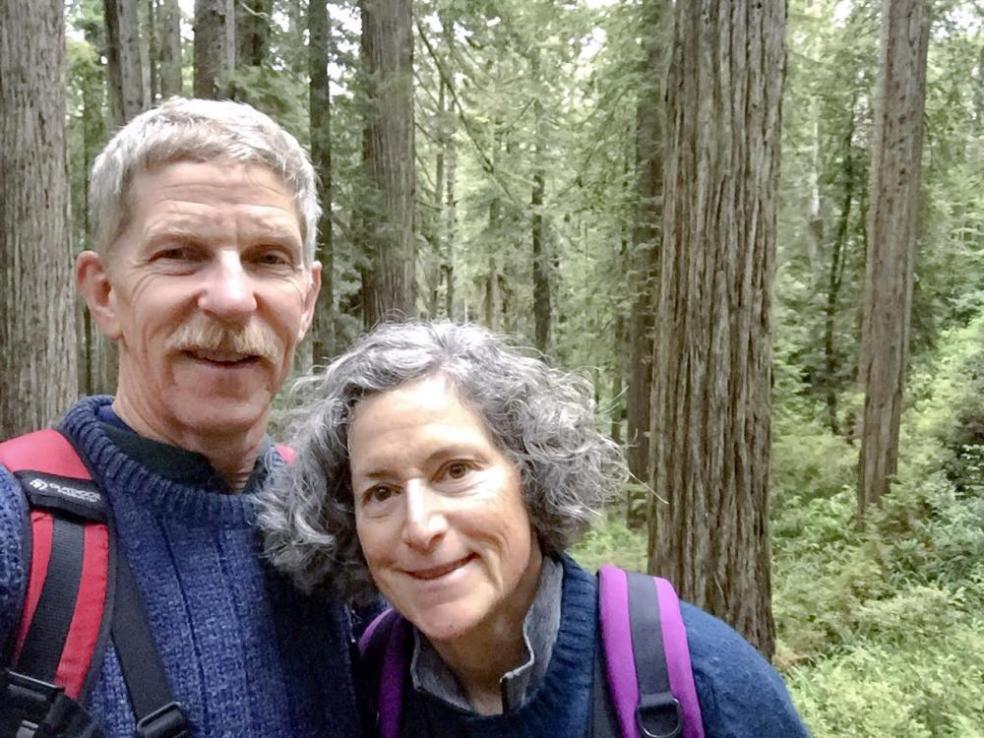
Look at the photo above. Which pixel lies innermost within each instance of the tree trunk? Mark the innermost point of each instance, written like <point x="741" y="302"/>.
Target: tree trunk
<point x="38" y="366"/>
<point x="323" y="327"/>
<point x="215" y="47"/>
<point x="128" y="92"/>
<point x="541" y="259"/>
<point x="896" y="158"/>
<point x="388" y="158"/>
<point x="644" y="261"/>
<point x="711" y="398"/>
<point x="835" y="275"/>
<point x="253" y="31"/>
<point x="169" y="47"/>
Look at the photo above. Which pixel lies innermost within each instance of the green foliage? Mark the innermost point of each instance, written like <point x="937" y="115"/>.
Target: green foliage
<point x="612" y="543"/>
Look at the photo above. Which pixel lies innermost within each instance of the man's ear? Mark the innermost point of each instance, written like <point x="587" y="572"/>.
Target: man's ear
<point x="310" y="299"/>
<point x="92" y="282"/>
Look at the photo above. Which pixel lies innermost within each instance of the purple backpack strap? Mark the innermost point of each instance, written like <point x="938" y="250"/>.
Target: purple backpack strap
<point x="617" y="638"/>
<point x="390" y="626"/>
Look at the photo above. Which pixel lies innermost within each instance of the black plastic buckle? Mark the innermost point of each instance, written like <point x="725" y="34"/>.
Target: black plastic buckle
<point x="659" y="716"/>
<point x="168" y="721"/>
<point x="32" y="708"/>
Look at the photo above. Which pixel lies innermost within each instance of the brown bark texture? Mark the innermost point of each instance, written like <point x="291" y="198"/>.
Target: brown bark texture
<point x="168" y="23"/>
<point x="322" y="328"/>
<point x="711" y="396"/>
<point x="38" y="360"/>
<point x="388" y="157"/>
<point x="896" y="157"/>
<point x="253" y="31"/>
<point x="215" y="47"/>
<point x="645" y="252"/>
<point x="541" y="255"/>
<point x="129" y="93"/>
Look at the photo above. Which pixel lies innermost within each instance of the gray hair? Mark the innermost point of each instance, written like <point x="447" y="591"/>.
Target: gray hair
<point x="542" y="418"/>
<point x="198" y="130"/>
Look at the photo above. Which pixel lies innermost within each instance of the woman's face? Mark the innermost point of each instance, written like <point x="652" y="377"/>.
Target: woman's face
<point x="440" y="514"/>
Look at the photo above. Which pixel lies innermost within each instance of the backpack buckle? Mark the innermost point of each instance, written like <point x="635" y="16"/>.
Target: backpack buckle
<point x="165" y="722"/>
<point x="31" y="707"/>
<point x="659" y="716"/>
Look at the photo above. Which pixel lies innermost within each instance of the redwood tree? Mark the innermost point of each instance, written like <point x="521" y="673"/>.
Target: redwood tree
<point x="712" y="360"/>
<point x="388" y="157"/>
<point x="38" y="366"/>
<point x="896" y="156"/>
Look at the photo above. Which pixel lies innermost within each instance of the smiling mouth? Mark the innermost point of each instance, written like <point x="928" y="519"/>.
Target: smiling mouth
<point x="436" y="572"/>
<point x="223" y="358"/>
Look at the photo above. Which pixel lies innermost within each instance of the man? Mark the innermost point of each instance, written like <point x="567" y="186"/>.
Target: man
<point x="204" y="217"/>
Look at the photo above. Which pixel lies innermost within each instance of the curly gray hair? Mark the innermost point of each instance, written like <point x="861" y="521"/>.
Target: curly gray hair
<point x="543" y="418"/>
<point x="183" y="129"/>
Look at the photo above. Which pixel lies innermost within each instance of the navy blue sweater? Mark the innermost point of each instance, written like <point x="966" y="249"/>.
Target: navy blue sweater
<point x="740" y="694"/>
<point x="245" y="654"/>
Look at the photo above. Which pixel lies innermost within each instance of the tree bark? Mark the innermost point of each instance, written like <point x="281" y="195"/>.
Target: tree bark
<point x="896" y="162"/>
<point x="215" y="47"/>
<point x="253" y="31"/>
<point x="711" y="398"/>
<point x="388" y="158"/>
<point x="128" y="89"/>
<point x="644" y="261"/>
<point x="38" y="361"/>
<point x="323" y="327"/>
<point x="169" y="47"/>
<point x="541" y="259"/>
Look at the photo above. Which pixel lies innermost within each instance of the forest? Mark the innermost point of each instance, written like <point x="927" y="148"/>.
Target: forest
<point x="757" y="227"/>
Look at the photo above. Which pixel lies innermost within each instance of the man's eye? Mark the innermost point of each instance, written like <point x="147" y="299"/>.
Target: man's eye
<point x="274" y="258"/>
<point x="175" y="253"/>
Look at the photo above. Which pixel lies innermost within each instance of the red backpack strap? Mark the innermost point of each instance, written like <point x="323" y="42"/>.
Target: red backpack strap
<point x="384" y="642"/>
<point x="641" y="625"/>
<point x="69" y="588"/>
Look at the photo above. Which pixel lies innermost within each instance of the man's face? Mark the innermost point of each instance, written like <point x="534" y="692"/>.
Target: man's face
<point x="207" y="296"/>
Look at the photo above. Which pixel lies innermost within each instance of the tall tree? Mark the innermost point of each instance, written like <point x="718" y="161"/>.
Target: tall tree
<point x="541" y="256"/>
<point x="168" y="24"/>
<point x="645" y="252"/>
<point x="388" y="155"/>
<point x="38" y="367"/>
<point x="896" y="163"/>
<point x="215" y="47"/>
<point x="322" y="329"/>
<point x="129" y="92"/>
<point x="253" y="32"/>
<point x="711" y="397"/>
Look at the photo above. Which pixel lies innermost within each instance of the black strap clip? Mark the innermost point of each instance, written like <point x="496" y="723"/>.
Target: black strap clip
<point x="166" y="722"/>
<point x="30" y="707"/>
<point x="659" y="716"/>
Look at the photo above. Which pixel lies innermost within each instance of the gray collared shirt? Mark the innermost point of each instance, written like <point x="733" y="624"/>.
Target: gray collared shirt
<point x="431" y="675"/>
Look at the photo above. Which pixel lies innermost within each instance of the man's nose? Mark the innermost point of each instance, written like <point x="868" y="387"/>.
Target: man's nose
<point x="228" y="294"/>
<point x="425" y="523"/>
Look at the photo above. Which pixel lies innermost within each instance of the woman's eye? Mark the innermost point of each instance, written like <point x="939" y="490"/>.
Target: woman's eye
<point x="377" y="494"/>
<point x="457" y="469"/>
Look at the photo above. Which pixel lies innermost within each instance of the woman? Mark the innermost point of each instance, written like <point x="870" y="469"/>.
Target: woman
<point x="450" y="472"/>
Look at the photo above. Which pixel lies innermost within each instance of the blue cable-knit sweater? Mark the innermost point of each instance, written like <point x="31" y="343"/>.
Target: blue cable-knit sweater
<point x="246" y="655"/>
<point x="740" y="694"/>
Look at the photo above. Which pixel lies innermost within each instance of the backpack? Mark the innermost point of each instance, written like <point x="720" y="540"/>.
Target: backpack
<point x="80" y="592"/>
<point x="645" y="662"/>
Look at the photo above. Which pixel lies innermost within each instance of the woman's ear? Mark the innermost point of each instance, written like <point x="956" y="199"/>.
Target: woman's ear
<point x="92" y="282"/>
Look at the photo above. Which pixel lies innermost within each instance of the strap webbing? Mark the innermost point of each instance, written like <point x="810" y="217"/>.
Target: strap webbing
<point x="46" y="635"/>
<point x="143" y="670"/>
<point x="658" y="713"/>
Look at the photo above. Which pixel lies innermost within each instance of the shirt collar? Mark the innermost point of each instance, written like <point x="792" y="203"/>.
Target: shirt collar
<point x="175" y="463"/>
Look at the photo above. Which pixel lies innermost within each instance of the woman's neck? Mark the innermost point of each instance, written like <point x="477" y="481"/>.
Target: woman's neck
<point x="481" y="657"/>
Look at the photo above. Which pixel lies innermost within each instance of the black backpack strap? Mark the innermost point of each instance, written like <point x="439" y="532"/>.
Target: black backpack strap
<point x="658" y="714"/>
<point x="77" y="587"/>
<point x="158" y="714"/>
<point x="63" y="627"/>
